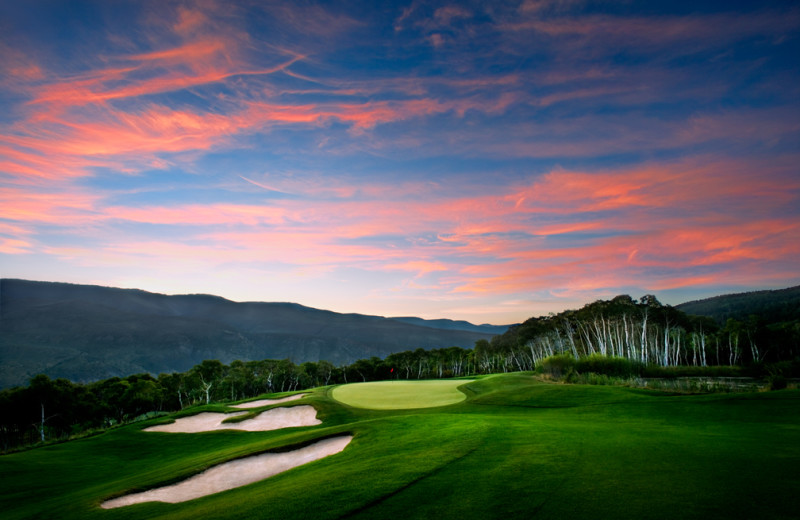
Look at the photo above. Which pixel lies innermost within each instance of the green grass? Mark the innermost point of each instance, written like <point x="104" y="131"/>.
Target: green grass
<point x="400" y="395"/>
<point x="515" y="448"/>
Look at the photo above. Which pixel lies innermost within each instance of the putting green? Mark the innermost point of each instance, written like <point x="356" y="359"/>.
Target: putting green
<point x="396" y="395"/>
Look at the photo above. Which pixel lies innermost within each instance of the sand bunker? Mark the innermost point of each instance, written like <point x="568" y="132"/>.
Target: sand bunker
<point x="274" y="419"/>
<point x="267" y="402"/>
<point x="234" y="474"/>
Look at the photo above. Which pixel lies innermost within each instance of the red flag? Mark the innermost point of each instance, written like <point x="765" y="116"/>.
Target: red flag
<point x="392" y="370"/>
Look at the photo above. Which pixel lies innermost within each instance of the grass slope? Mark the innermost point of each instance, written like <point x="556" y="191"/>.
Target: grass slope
<point x="515" y="448"/>
<point x="399" y="395"/>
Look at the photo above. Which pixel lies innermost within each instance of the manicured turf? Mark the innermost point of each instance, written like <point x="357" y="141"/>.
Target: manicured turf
<point x="515" y="448"/>
<point x="400" y="395"/>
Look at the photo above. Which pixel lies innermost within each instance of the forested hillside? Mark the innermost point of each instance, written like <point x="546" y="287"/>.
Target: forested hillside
<point x="770" y="306"/>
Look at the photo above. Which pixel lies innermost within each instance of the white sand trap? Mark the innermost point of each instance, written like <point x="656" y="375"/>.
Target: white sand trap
<point x="267" y="402"/>
<point x="274" y="419"/>
<point x="234" y="474"/>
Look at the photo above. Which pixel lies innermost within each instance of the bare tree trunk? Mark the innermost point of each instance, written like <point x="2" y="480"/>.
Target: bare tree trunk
<point x="568" y="329"/>
<point x="753" y="348"/>
<point x="206" y="388"/>
<point x="41" y="426"/>
<point x="533" y="354"/>
<point x="644" y="338"/>
<point x="703" y="346"/>
<point x="599" y="336"/>
<point x="587" y="338"/>
<point x="627" y="337"/>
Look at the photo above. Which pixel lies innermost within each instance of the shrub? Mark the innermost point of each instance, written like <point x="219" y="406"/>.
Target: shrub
<point x="776" y="382"/>
<point x="557" y="366"/>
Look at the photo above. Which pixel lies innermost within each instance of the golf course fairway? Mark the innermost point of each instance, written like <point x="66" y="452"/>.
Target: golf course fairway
<point x="513" y="448"/>
<point x="400" y="395"/>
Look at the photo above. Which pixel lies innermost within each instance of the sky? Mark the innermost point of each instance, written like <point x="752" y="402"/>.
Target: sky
<point x="486" y="161"/>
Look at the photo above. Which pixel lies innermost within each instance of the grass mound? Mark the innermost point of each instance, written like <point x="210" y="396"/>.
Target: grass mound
<point x="399" y="395"/>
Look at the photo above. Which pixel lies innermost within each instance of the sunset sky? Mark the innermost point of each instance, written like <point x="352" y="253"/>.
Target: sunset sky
<point x="487" y="161"/>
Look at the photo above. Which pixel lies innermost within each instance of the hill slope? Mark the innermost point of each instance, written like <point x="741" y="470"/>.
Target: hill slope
<point x="774" y="306"/>
<point x="86" y="333"/>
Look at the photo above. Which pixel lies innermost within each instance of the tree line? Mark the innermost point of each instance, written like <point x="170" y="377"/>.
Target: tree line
<point x="54" y="409"/>
<point x="644" y="331"/>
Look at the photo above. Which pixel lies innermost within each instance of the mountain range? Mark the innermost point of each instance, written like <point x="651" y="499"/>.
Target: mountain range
<point x="86" y="332"/>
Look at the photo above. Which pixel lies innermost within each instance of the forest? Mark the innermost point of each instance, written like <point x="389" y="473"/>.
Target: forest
<point x="650" y="339"/>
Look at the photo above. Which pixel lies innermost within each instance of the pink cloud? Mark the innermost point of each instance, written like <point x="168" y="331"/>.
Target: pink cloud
<point x="188" y="65"/>
<point x="27" y="206"/>
<point x="657" y="260"/>
<point x="368" y="114"/>
<point x="12" y="246"/>
<point x="17" y="67"/>
<point x="200" y="215"/>
<point x="691" y="184"/>
<point x="29" y="165"/>
<point x="420" y="267"/>
<point x="189" y="21"/>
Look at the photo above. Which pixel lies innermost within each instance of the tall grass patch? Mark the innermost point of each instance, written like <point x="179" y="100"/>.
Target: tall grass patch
<point x="611" y="366"/>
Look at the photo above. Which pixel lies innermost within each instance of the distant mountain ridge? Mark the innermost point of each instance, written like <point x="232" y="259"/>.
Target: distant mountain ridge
<point x="773" y="306"/>
<point x="446" y="324"/>
<point x="87" y="332"/>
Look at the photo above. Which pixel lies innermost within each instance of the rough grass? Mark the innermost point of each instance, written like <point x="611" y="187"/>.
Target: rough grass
<point x="400" y="395"/>
<point x="515" y="448"/>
